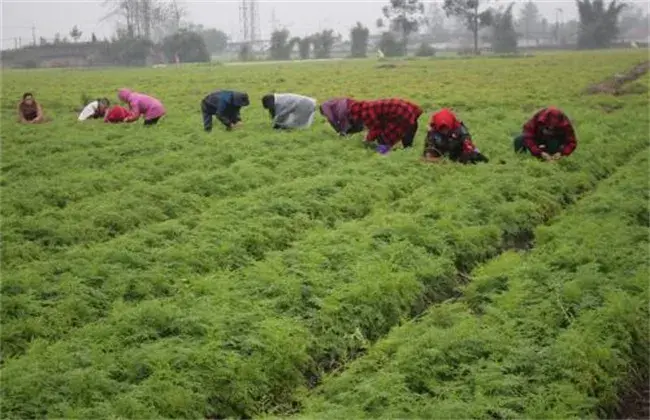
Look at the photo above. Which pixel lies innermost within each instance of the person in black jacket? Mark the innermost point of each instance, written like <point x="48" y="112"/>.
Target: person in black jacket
<point x="225" y="105"/>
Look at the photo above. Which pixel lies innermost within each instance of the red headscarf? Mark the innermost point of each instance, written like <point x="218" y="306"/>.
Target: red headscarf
<point x="444" y="118"/>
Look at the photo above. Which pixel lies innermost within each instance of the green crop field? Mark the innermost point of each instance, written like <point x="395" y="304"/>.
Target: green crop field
<point x="153" y="272"/>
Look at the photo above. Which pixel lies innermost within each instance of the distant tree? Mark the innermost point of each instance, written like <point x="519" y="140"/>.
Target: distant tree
<point x="529" y="21"/>
<point x="379" y="23"/>
<point x="390" y="46"/>
<point x="504" y="38"/>
<point x="189" y="46"/>
<point x="634" y="22"/>
<point x="57" y="38"/>
<point x="75" y="33"/>
<point x="128" y="51"/>
<point x="404" y="17"/>
<point x="359" y="37"/>
<point x="598" y="24"/>
<point x="93" y="38"/>
<point x="145" y="18"/>
<point x="43" y="41"/>
<point x="65" y="40"/>
<point x="435" y="23"/>
<point x="281" y="46"/>
<point x="425" y="50"/>
<point x="472" y="14"/>
<point x="216" y="41"/>
<point x="304" y="47"/>
<point x="323" y="43"/>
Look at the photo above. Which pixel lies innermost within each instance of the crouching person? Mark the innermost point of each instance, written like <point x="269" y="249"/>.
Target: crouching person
<point x="226" y="106"/>
<point x="449" y="137"/>
<point x="290" y="110"/>
<point x="389" y="121"/>
<point x="548" y="135"/>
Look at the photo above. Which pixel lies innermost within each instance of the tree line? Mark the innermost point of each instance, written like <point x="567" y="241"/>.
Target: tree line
<point x="598" y="26"/>
<point x="147" y="27"/>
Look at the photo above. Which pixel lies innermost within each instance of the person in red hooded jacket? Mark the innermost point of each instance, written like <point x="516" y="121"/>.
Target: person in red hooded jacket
<point x="389" y="121"/>
<point x="548" y="135"/>
<point x="117" y="114"/>
<point x="448" y="136"/>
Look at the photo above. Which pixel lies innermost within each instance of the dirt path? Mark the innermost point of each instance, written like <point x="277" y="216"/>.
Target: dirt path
<point x="636" y="403"/>
<point x="617" y="84"/>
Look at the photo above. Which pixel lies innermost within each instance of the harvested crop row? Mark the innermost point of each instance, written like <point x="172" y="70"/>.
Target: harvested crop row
<point x="246" y="342"/>
<point x="556" y="333"/>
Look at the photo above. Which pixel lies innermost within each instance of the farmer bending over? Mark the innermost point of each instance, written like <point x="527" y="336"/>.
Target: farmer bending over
<point x="95" y="109"/>
<point x="225" y="105"/>
<point x="448" y="136"/>
<point x="140" y="104"/>
<point x="290" y="110"/>
<point x="548" y="135"/>
<point x="30" y="111"/>
<point x="337" y="112"/>
<point x="389" y="121"/>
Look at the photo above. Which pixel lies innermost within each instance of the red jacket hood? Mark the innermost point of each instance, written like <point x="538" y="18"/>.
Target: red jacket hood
<point x="444" y="118"/>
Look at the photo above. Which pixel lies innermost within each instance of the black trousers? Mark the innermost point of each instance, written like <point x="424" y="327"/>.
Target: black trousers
<point x="410" y="136"/>
<point x="152" y="121"/>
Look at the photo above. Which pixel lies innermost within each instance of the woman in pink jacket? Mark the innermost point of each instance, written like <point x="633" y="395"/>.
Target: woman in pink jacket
<point x="140" y="104"/>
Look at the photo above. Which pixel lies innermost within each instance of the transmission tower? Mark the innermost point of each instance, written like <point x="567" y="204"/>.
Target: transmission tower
<point x="249" y="20"/>
<point x="254" y="21"/>
<point x="243" y="20"/>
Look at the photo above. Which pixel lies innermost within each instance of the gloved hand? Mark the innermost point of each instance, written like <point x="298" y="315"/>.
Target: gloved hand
<point x="383" y="149"/>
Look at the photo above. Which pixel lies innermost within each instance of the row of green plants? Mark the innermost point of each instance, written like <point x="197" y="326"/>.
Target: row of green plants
<point x="239" y="312"/>
<point x="48" y="208"/>
<point x="557" y="332"/>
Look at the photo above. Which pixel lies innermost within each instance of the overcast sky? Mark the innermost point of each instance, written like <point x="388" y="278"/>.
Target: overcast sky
<point x="303" y="17"/>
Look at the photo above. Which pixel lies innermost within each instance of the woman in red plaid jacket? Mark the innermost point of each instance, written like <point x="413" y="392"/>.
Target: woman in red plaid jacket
<point x="389" y="121"/>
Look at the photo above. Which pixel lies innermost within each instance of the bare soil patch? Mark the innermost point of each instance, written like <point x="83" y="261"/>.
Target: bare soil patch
<point x="618" y="84"/>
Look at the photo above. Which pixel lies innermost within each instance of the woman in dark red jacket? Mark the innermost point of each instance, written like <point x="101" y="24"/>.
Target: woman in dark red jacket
<point x="548" y="135"/>
<point x="389" y="121"/>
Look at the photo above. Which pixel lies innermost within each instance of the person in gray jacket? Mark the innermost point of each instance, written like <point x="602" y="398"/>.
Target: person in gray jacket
<point x="289" y="110"/>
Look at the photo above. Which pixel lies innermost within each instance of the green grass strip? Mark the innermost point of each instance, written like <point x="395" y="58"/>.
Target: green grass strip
<point x="559" y="332"/>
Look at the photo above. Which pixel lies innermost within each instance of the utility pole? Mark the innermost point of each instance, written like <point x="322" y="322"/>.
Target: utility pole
<point x="274" y="22"/>
<point x="557" y="25"/>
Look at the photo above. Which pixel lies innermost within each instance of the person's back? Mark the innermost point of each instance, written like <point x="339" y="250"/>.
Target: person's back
<point x="141" y="103"/>
<point x="95" y="109"/>
<point x="388" y="120"/>
<point x="226" y="105"/>
<point x="116" y="114"/>
<point x="290" y="110"/>
<point x="149" y="106"/>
